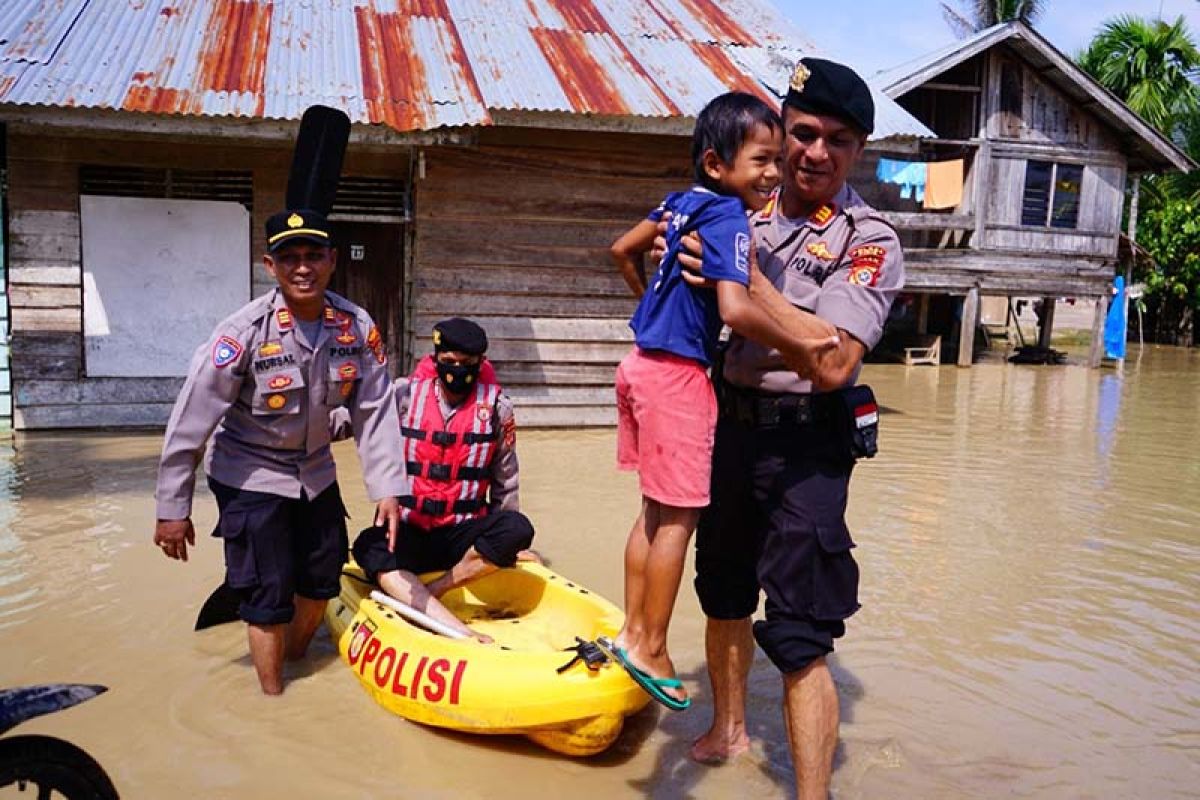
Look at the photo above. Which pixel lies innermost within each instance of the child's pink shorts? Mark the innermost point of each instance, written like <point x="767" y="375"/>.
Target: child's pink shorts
<point x="666" y="416"/>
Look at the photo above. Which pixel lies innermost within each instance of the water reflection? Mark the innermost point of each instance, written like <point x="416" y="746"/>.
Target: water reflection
<point x="1029" y="545"/>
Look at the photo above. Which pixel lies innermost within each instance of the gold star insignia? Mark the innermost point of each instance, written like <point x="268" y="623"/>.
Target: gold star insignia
<point x="799" y="76"/>
<point x="295" y="221"/>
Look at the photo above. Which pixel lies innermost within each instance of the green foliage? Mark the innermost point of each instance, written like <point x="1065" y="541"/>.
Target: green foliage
<point x="1171" y="232"/>
<point x="1148" y="64"/>
<point x="975" y="15"/>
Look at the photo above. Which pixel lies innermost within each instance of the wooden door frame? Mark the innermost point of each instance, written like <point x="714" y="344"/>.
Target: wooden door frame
<point x="406" y="241"/>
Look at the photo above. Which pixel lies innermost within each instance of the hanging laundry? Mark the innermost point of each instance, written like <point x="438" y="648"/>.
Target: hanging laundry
<point x="910" y="176"/>
<point x="944" y="187"/>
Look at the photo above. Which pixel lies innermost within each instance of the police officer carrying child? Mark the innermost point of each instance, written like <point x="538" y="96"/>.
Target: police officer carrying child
<point x="266" y="381"/>
<point x="785" y="446"/>
<point x="458" y="437"/>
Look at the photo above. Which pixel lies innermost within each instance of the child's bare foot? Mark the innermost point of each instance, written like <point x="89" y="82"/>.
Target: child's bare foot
<point x="718" y="746"/>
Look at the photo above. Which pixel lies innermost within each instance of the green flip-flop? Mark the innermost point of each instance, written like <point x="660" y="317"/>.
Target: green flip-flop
<point x="651" y="685"/>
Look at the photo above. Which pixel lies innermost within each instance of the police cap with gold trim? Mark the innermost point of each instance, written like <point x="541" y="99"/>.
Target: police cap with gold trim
<point x="825" y="87"/>
<point x="459" y="335"/>
<point x="293" y="225"/>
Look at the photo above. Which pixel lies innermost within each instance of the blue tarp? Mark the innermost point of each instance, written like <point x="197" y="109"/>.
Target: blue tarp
<point x="1114" y="326"/>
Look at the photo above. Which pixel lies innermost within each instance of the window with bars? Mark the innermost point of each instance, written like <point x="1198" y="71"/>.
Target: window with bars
<point x="372" y="196"/>
<point x="179" y="184"/>
<point x="1051" y="197"/>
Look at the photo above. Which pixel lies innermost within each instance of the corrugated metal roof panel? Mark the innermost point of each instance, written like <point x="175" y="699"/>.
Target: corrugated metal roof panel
<point x="32" y="29"/>
<point x="510" y="68"/>
<point x="691" y="73"/>
<point x="408" y="64"/>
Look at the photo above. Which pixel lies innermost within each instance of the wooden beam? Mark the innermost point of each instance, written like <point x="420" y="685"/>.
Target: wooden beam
<point x="923" y="315"/>
<point x="966" y="336"/>
<point x="950" y="87"/>
<point x="982" y="168"/>
<point x="1096" y="351"/>
<point x="1046" y="331"/>
<point x="917" y="221"/>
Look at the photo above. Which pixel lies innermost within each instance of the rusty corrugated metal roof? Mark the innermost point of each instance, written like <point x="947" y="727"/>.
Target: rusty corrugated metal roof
<point x="408" y="64"/>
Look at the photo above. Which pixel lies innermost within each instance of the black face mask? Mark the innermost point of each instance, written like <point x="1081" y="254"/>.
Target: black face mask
<point x="457" y="378"/>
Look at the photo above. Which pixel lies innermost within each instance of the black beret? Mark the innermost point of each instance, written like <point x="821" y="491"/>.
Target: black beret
<point x="826" y="87"/>
<point x="460" y="335"/>
<point x="300" y="223"/>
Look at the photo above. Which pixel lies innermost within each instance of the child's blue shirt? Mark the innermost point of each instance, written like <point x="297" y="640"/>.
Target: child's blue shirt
<point x="673" y="316"/>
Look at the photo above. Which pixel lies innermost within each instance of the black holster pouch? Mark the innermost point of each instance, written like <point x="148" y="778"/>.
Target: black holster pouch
<point x="717" y="374"/>
<point x="860" y="420"/>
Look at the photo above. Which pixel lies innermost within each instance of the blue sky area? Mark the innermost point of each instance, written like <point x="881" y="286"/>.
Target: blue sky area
<point x="872" y="35"/>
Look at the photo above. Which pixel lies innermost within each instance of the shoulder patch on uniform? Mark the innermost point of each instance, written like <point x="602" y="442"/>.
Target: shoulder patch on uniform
<point x="226" y="351"/>
<point x="510" y="431"/>
<point x="375" y="345"/>
<point x="765" y="214"/>
<point x="866" y="264"/>
<point x="823" y="215"/>
<point x="283" y="318"/>
<point x="741" y="246"/>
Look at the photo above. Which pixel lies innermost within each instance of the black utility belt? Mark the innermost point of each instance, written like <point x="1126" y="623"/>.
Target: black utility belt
<point x="767" y="410"/>
<point x="852" y="412"/>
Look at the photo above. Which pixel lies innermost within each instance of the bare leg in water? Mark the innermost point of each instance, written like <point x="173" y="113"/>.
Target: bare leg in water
<point x="729" y="652"/>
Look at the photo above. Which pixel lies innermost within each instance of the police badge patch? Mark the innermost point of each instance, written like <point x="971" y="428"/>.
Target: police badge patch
<point x="866" y="264"/>
<point x="226" y="351"/>
<point x="741" y="244"/>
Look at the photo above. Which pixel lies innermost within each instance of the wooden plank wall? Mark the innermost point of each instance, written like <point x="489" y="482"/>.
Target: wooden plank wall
<point x="50" y="386"/>
<point x="5" y="375"/>
<point x="1052" y="127"/>
<point x="515" y="234"/>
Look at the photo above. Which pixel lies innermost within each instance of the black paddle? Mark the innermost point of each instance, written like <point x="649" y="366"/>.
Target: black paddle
<point x="312" y="184"/>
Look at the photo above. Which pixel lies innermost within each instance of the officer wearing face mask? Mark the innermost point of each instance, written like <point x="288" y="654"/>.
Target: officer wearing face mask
<point x="458" y="441"/>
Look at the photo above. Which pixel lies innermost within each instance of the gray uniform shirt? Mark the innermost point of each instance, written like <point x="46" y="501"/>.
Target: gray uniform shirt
<point x="268" y="393"/>
<point x="843" y="263"/>
<point x="503" y="494"/>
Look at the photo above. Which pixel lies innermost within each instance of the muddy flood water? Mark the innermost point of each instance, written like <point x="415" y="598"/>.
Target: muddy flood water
<point x="1030" y="547"/>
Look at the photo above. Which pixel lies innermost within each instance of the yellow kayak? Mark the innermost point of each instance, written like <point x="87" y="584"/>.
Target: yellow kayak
<point x="512" y="686"/>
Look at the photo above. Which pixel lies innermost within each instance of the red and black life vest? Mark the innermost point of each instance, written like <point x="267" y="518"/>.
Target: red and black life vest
<point x="449" y="462"/>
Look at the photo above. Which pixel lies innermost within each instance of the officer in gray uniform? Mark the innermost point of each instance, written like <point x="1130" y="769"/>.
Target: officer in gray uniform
<point x="266" y="381"/>
<point x="786" y="444"/>
<point x="458" y="436"/>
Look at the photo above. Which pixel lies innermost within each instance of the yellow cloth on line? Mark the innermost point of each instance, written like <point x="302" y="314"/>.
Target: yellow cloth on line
<point x="944" y="186"/>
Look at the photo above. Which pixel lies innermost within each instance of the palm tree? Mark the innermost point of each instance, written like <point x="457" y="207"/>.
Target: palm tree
<point x="979" y="14"/>
<point x="1148" y="64"/>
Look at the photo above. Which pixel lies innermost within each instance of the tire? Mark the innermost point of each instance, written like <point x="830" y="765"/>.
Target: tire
<point x="53" y="765"/>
